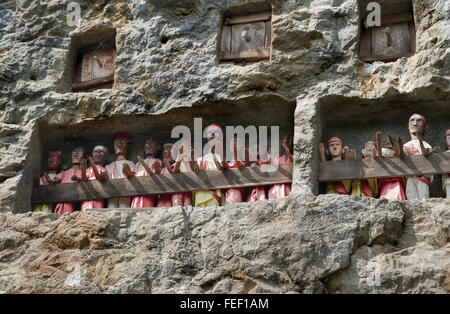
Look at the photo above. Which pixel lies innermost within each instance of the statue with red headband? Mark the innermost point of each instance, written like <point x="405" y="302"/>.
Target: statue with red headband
<point x="151" y="165"/>
<point x="214" y="135"/>
<point x="53" y="163"/>
<point x="165" y="200"/>
<point x="366" y="187"/>
<point x="335" y="150"/>
<point x="258" y="193"/>
<point x="115" y="169"/>
<point x="446" y="177"/>
<point x="78" y="155"/>
<point x="417" y="187"/>
<point x="97" y="171"/>
<point x="277" y="191"/>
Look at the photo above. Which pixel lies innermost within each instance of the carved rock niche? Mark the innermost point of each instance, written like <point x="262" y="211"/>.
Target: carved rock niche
<point x="394" y="38"/>
<point x="356" y="122"/>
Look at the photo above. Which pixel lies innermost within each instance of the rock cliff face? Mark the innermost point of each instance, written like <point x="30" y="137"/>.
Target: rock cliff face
<point x="330" y="244"/>
<point x="167" y="72"/>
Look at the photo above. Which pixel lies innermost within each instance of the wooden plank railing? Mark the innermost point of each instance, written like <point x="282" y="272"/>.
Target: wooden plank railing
<point x="353" y="169"/>
<point x="162" y="183"/>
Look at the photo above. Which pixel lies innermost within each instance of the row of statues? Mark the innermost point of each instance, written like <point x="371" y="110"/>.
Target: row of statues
<point x="417" y="187"/>
<point x="151" y="165"/>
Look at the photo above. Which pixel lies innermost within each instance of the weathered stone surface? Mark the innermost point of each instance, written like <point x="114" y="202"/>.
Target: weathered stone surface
<point x="418" y="263"/>
<point x="286" y="246"/>
<point x="321" y="244"/>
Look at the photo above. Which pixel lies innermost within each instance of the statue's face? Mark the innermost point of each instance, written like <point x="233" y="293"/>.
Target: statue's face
<point x="53" y="162"/>
<point x="167" y="153"/>
<point x="335" y="149"/>
<point x="99" y="156"/>
<point x="77" y="156"/>
<point x="416" y="125"/>
<point x="121" y="146"/>
<point x="368" y="150"/>
<point x="213" y="131"/>
<point x="151" y="148"/>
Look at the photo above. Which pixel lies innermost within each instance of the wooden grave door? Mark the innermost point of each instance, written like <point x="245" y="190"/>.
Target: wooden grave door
<point x="95" y="69"/>
<point x="246" y="38"/>
<point x="395" y="38"/>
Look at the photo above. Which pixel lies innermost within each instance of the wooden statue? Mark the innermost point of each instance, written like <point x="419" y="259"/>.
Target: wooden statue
<point x="366" y="188"/>
<point x="146" y="167"/>
<point x="96" y="171"/>
<point x="446" y="177"/>
<point x="257" y="193"/>
<point x="184" y="163"/>
<point x="207" y="198"/>
<point x="234" y="195"/>
<point x="115" y="169"/>
<point x="277" y="191"/>
<point x="417" y="187"/>
<point x="53" y="163"/>
<point x="335" y="150"/>
<point x="165" y="200"/>
<point x="391" y="188"/>
<point x="78" y="155"/>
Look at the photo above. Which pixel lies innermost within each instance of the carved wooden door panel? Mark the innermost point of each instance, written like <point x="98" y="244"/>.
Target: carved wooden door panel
<point x="248" y="36"/>
<point x="98" y="64"/>
<point x="391" y="40"/>
<point x="395" y="38"/>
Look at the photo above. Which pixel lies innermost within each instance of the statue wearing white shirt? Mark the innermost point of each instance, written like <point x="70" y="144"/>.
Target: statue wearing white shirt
<point x="417" y="187"/>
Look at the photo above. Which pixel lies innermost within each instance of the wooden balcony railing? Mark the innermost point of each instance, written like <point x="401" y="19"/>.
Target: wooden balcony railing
<point x="160" y="184"/>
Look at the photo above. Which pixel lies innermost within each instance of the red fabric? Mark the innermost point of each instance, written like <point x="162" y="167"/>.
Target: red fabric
<point x="370" y="143"/>
<point x="91" y="177"/>
<point x="62" y="208"/>
<point x="66" y="177"/>
<point x="339" y="187"/>
<point x="277" y="191"/>
<point x="392" y="189"/>
<point x="57" y="154"/>
<point x="123" y="135"/>
<point x="424" y="180"/>
<point x="164" y="200"/>
<point x="257" y="193"/>
<point x="335" y="139"/>
<point x="234" y="195"/>
<point x="144" y="200"/>
<point x="367" y="191"/>
<point x="412" y="150"/>
<point x="183" y="199"/>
